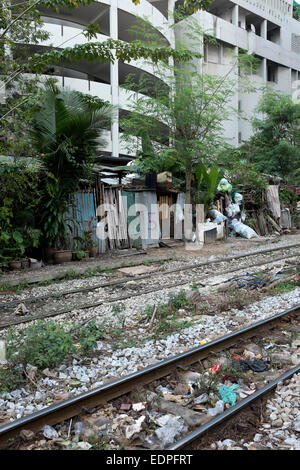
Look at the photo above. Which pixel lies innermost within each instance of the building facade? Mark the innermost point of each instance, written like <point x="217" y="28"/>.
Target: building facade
<point x="264" y="28"/>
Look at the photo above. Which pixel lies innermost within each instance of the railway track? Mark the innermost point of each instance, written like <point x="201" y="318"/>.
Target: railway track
<point x="109" y="292"/>
<point x="106" y="393"/>
<point x="187" y="441"/>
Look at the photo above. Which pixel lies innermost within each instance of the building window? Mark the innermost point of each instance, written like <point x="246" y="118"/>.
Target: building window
<point x="272" y="73"/>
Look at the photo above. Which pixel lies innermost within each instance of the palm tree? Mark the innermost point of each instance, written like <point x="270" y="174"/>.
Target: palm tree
<point x="67" y="132"/>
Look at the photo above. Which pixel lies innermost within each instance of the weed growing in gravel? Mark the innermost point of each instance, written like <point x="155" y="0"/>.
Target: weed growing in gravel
<point x="87" y="336"/>
<point x="207" y="384"/>
<point x="285" y="286"/>
<point x="47" y="344"/>
<point x="117" y="308"/>
<point x="69" y="275"/>
<point x="102" y="443"/>
<point x="158" y="261"/>
<point x="194" y="286"/>
<point x="234" y="373"/>
<point x="179" y="301"/>
<point x="11" y="378"/>
<point x="44" y="344"/>
<point x="5" y="286"/>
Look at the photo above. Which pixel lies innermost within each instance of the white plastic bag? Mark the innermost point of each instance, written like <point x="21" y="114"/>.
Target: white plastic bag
<point x="217" y="410"/>
<point x="217" y="216"/>
<point x="238" y="198"/>
<point x="224" y="185"/>
<point x="232" y="210"/>
<point x="242" y="229"/>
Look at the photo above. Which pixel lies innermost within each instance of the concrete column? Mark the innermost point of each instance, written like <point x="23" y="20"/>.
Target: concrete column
<point x="235" y="15"/>
<point x="114" y="77"/>
<point x="171" y="6"/>
<point x="264" y="29"/>
<point x="264" y="70"/>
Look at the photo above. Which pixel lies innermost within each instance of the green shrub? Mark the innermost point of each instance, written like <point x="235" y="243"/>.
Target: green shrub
<point x="11" y="378"/>
<point x="87" y="336"/>
<point x="43" y="345"/>
<point x="48" y="344"/>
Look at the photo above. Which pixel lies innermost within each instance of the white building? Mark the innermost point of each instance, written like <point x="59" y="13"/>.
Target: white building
<point x="264" y="28"/>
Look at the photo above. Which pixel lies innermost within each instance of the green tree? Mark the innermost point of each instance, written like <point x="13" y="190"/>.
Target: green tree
<point x="184" y="120"/>
<point x="275" y="145"/>
<point x="66" y="134"/>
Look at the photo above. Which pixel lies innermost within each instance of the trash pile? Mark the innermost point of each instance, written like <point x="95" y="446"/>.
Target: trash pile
<point x="233" y="206"/>
<point x="267" y="281"/>
<point x="156" y="417"/>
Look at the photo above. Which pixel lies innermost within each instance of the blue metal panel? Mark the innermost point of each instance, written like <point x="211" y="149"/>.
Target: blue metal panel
<point x="85" y="214"/>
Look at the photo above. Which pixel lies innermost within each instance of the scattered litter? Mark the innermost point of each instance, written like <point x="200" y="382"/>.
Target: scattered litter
<point x="49" y="432"/>
<point x="226" y="443"/>
<point x="199" y="407"/>
<point x="191" y="378"/>
<point x="246" y="280"/>
<point x="201" y="399"/>
<point x="163" y="390"/>
<point x="258" y="365"/>
<point x="135" y="428"/>
<point x="246" y="392"/>
<point x="83" y="445"/>
<point x="175" y="398"/>
<point x="215" y="369"/>
<point x="228" y="394"/>
<point x="204" y="341"/>
<point x="21" y="310"/>
<point x="236" y="358"/>
<point x="125" y="406"/>
<point x="171" y="427"/>
<point x="218" y="409"/>
<point x="27" y="435"/>
<point x="248" y="354"/>
<point x="139" y="406"/>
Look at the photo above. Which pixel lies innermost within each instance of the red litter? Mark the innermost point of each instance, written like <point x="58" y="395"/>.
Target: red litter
<point x="125" y="406"/>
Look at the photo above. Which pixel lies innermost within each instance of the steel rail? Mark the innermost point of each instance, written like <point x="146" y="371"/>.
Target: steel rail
<point x="131" y="295"/>
<point x="156" y="273"/>
<point x="69" y="408"/>
<point x="193" y="436"/>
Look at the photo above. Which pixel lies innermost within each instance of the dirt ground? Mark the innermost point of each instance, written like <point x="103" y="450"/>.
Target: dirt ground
<point x="230" y="246"/>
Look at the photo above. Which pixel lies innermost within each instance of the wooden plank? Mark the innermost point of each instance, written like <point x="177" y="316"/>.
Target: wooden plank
<point x="277" y="227"/>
